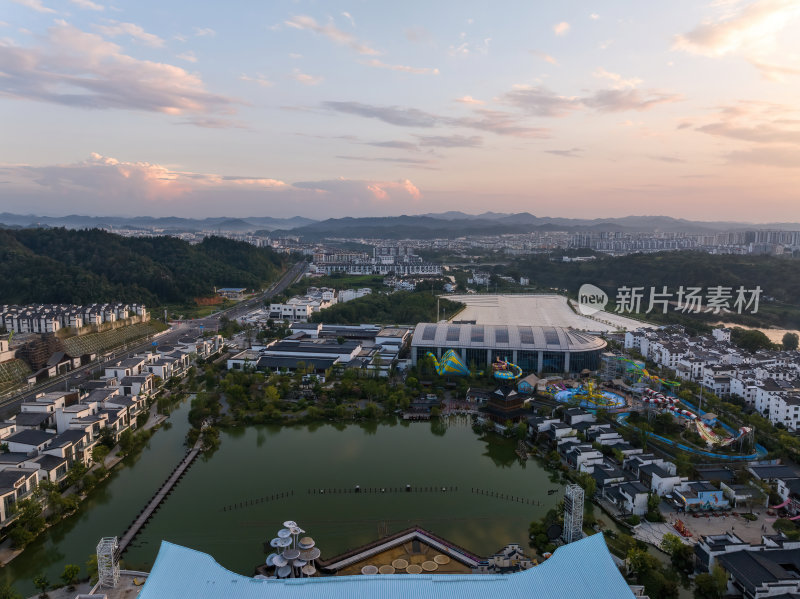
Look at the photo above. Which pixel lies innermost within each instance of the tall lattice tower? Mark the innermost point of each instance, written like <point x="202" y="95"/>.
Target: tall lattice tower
<point x="108" y="562"/>
<point x="573" y="513"/>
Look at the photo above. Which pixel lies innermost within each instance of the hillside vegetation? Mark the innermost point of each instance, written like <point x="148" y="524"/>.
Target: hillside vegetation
<point x="403" y="307"/>
<point x="105" y="340"/>
<point x="779" y="279"/>
<point x="86" y="266"/>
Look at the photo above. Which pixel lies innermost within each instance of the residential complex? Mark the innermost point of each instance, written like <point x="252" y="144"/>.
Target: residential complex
<point x="300" y="308"/>
<point x="49" y="318"/>
<point x="385" y="259"/>
<point x="768" y="381"/>
<point x="59" y="429"/>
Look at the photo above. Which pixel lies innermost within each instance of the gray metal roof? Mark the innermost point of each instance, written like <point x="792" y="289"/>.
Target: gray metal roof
<point x="445" y="334"/>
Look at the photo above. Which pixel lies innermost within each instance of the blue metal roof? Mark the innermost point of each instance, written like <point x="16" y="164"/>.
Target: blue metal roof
<point x="582" y="569"/>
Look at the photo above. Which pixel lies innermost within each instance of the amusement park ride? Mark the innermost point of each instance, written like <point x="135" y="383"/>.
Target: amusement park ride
<point x="670" y="404"/>
<point x="589" y="395"/>
<point x="451" y="364"/>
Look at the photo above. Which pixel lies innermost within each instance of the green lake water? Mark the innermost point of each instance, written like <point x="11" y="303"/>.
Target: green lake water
<point x="260" y="463"/>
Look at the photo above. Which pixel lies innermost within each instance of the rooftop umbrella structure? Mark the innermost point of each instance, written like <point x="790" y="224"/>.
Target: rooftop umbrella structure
<point x="297" y="555"/>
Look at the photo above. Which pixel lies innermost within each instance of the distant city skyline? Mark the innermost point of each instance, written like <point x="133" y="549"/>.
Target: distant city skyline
<point x="575" y="109"/>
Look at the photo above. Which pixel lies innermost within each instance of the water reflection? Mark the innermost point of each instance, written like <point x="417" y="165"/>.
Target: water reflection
<point x="298" y="461"/>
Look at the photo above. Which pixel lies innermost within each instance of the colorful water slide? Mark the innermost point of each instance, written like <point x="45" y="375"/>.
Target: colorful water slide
<point x="449" y="365"/>
<point x="713" y="438"/>
<point x="780" y="505"/>
<point x="759" y="451"/>
<point x="506" y="371"/>
<point x="657" y="379"/>
<point x="795" y="517"/>
<point x="709" y="436"/>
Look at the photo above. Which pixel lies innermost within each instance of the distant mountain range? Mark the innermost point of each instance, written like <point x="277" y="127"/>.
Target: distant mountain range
<point x="171" y="224"/>
<point x="457" y="224"/>
<point x="422" y="226"/>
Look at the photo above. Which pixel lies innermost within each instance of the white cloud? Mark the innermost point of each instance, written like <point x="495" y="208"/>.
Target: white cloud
<point x="545" y="57"/>
<point x="540" y="101"/>
<point x="469" y="100"/>
<point x="295" y="56"/>
<point x="188" y="56"/>
<point x="751" y="32"/>
<point x="349" y="17"/>
<point x="305" y="78"/>
<point x="755" y="122"/>
<point x="105" y="185"/>
<point x="119" y="180"/>
<point x="399" y="67"/>
<point x="204" y="32"/>
<point x="115" y="29"/>
<point x="618" y="80"/>
<point x="83" y="70"/>
<point x="331" y="32"/>
<point x="465" y="48"/>
<point x="483" y="119"/>
<point x="259" y="79"/>
<point x="366" y="191"/>
<point x="561" y="28"/>
<point x="88" y="5"/>
<point x="35" y="5"/>
<point x="594" y="16"/>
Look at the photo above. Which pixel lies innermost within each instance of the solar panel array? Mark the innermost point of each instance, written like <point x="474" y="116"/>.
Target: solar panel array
<point x="476" y="335"/>
<point x="453" y="333"/>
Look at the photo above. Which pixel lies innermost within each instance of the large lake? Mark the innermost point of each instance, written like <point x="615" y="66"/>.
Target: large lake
<point x="256" y="464"/>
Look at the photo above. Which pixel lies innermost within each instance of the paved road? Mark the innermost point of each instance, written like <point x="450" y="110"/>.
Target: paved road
<point x="292" y="275"/>
<point x="178" y="329"/>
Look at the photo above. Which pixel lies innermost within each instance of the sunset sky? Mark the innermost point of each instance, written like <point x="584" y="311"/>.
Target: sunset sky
<point x="362" y="108"/>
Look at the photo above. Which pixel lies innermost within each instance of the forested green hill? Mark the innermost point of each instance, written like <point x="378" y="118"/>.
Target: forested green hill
<point x="402" y="307"/>
<point x="83" y="266"/>
<point x="778" y="277"/>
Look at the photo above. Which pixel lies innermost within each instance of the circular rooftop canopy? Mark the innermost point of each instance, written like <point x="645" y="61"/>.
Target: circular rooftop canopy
<point x="529" y="338"/>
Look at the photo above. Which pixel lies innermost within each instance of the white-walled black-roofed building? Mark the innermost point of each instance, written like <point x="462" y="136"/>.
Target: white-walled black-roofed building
<point x="533" y="348"/>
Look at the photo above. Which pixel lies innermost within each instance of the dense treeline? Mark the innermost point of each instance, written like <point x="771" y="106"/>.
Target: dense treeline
<point x="80" y="266"/>
<point x="779" y="278"/>
<point x="403" y="307"/>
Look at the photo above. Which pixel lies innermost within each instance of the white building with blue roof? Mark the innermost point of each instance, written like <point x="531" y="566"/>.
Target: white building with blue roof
<point x="583" y="569"/>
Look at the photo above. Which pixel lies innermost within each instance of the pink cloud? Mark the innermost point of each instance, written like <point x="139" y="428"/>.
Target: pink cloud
<point x="331" y="32"/>
<point x="382" y="191"/>
<point x="83" y="70"/>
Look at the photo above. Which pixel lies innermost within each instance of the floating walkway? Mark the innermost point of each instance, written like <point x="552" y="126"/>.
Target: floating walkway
<point x="159" y="496"/>
<point x="256" y="500"/>
<point x="506" y="497"/>
<point x="360" y="489"/>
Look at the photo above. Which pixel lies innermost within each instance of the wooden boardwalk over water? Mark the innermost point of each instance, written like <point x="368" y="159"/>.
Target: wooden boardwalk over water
<point x="155" y="501"/>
